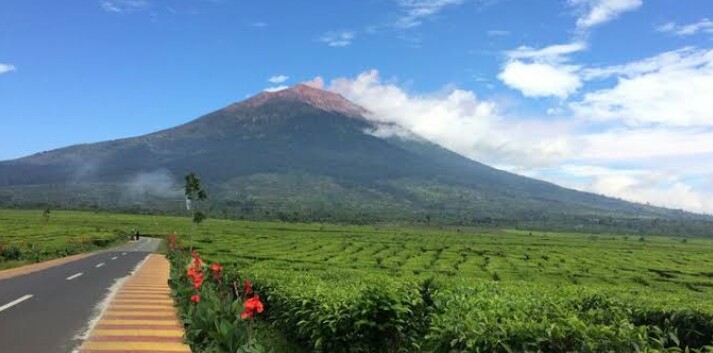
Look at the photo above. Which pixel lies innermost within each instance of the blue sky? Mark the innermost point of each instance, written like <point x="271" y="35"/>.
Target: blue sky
<point x="610" y="96"/>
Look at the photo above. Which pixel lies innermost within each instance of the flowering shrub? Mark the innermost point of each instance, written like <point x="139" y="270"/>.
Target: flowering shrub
<point x="218" y="317"/>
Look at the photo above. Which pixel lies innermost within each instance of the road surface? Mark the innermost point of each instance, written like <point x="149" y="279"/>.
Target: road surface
<point x="45" y="311"/>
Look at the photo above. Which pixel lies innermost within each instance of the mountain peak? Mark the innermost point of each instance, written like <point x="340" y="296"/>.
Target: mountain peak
<point x="319" y="98"/>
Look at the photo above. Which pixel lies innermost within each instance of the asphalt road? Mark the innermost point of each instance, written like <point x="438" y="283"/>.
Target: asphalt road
<point x="44" y="312"/>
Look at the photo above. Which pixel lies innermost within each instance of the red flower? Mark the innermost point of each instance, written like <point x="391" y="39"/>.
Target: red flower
<point x="247" y="287"/>
<point x="191" y="272"/>
<point x="196" y="275"/>
<point x="197" y="262"/>
<point x="198" y="280"/>
<point x="217" y="269"/>
<point x="250" y="307"/>
<point x="195" y="298"/>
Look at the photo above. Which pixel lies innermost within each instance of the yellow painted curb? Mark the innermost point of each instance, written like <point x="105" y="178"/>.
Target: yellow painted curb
<point x="141" y="316"/>
<point x="135" y="347"/>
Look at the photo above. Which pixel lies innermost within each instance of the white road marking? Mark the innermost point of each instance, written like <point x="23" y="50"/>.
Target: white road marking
<point x="115" y="257"/>
<point x="99" y="265"/>
<point x="74" y="276"/>
<point x="15" y="302"/>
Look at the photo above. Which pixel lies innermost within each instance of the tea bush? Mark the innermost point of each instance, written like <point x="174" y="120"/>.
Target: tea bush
<point x="354" y="313"/>
<point x="19" y="252"/>
<point x="490" y="318"/>
<point x="372" y="315"/>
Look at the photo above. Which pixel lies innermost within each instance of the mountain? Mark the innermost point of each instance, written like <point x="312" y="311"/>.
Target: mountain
<point x="299" y="152"/>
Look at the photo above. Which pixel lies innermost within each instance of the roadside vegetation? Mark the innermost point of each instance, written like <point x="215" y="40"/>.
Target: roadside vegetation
<point x="33" y="236"/>
<point x="338" y="288"/>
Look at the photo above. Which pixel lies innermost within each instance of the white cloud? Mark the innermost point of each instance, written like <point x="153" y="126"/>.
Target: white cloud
<point x="671" y="89"/>
<point x="542" y="72"/>
<point x="658" y="164"/>
<point x="122" y="6"/>
<point x="660" y="161"/>
<point x="459" y="121"/>
<point x="276" y="88"/>
<point x="541" y="80"/>
<point x="338" y="38"/>
<point x="620" y="145"/>
<point x="416" y="11"/>
<point x="656" y="187"/>
<point x="596" y="12"/>
<point x="277" y="79"/>
<point x="259" y="24"/>
<point x="703" y="26"/>
<point x="5" y="68"/>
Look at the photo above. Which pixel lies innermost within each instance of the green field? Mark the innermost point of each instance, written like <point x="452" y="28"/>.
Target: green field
<point x="333" y="288"/>
<point x="28" y="237"/>
<point x="355" y="289"/>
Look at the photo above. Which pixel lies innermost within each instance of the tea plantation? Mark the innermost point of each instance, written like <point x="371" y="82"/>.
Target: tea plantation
<point x="367" y="289"/>
<point x="33" y="236"/>
<point x="333" y="288"/>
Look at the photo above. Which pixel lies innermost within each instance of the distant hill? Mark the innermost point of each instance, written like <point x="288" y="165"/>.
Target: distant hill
<point x="302" y="153"/>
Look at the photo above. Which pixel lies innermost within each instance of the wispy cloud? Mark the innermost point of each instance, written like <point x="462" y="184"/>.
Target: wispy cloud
<point x="553" y="53"/>
<point x="123" y="6"/>
<point x="669" y="89"/>
<point x="276" y="88"/>
<point x="277" y="79"/>
<point x="276" y="82"/>
<point x="338" y="39"/>
<point x="498" y="33"/>
<point x="5" y="68"/>
<point x="596" y="12"/>
<point x="703" y="26"/>
<point x="259" y="24"/>
<point x="416" y="11"/>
